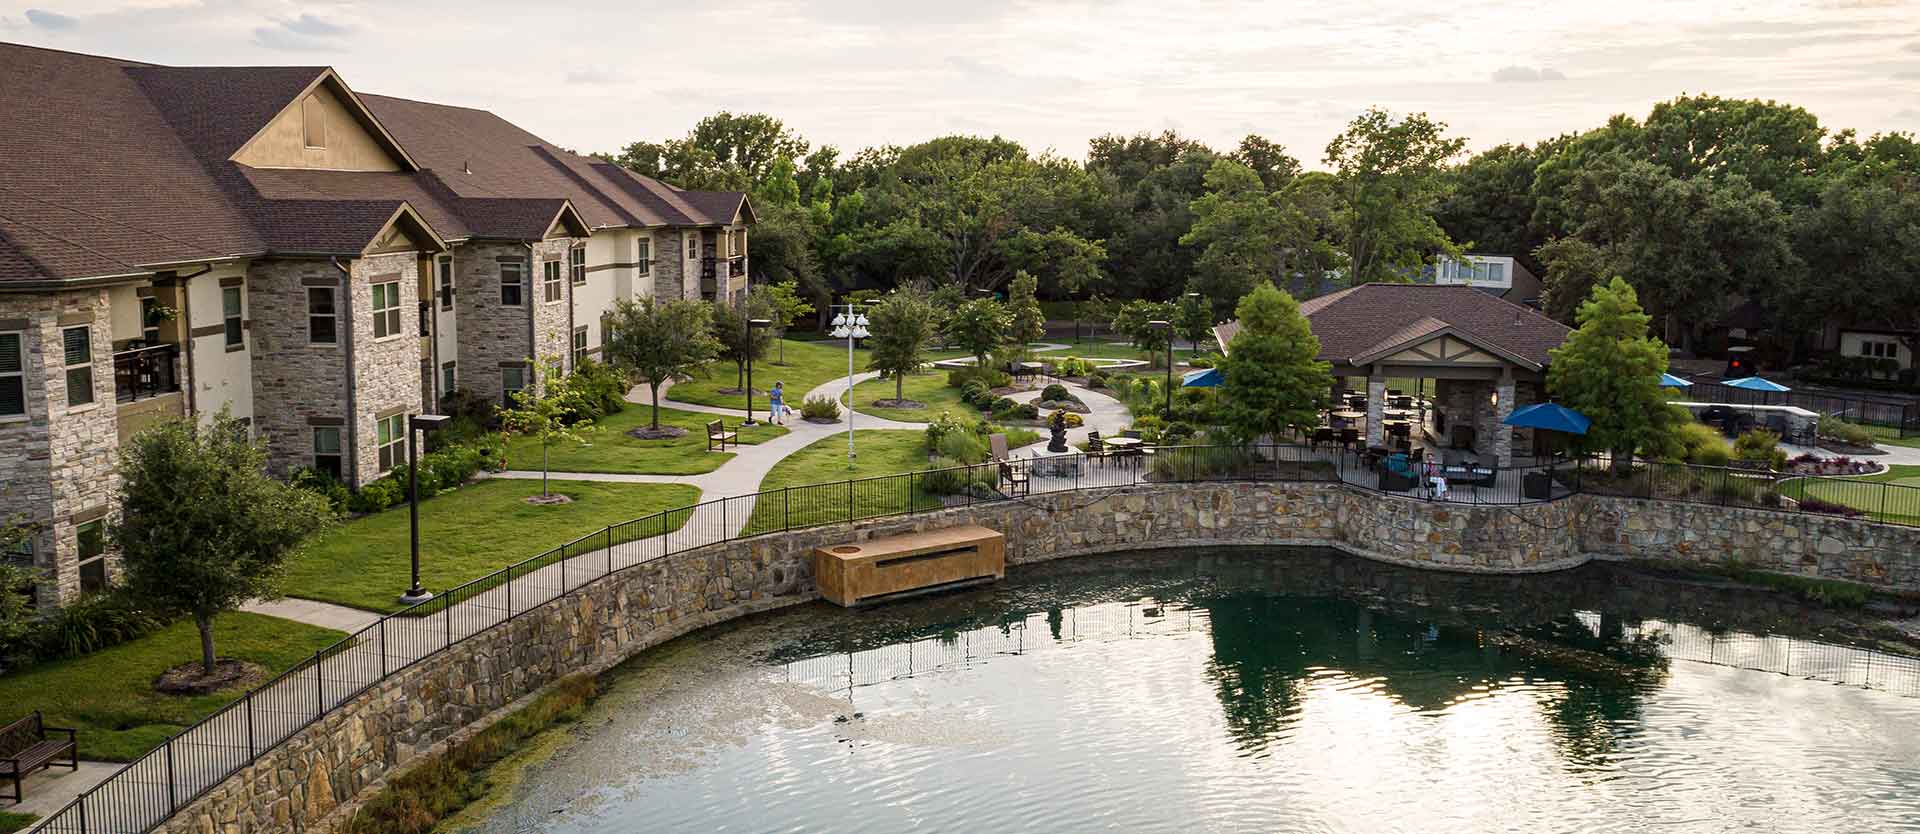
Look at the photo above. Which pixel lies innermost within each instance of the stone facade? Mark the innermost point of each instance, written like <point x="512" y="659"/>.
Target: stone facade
<point x="57" y="464"/>
<point x="386" y="371"/>
<point x="491" y="334"/>
<point x="553" y="321"/>
<point x="308" y="783"/>
<point x="299" y="383"/>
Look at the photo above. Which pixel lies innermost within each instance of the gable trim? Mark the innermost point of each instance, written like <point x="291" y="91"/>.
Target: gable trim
<point x="1441" y="334"/>
<point x="354" y="105"/>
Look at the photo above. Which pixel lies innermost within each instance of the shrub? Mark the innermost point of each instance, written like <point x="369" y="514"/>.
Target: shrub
<point x="1200" y="362"/>
<point x="1072" y="420"/>
<point x="94" y="622"/>
<point x="820" y="408"/>
<point x="602" y="389"/>
<point x="376" y="496"/>
<point x="1027" y="411"/>
<point x="316" y="481"/>
<point x="463" y="405"/>
<point x="1054" y="392"/>
<point x="1835" y="428"/>
<point x="1178" y="432"/>
<point x="976" y="393"/>
<point x="1700" y="444"/>
<point x="951" y="477"/>
<point x="1760" y="447"/>
<point x="1002" y="404"/>
<point x="1073" y="366"/>
<point x="959" y="377"/>
<point x="1097" y="379"/>
<point x="963" y="446"/>
<point x="1815" y="505"/>
<point x="939" y="428"/>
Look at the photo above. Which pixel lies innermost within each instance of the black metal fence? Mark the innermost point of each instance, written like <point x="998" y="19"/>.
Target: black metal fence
<point x="146" y="792"/>
<point x="1903" y="415"/>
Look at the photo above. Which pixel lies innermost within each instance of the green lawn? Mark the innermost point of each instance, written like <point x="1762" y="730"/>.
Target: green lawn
<point x="880" y="452"/>
<point x="464" y="535"/>
<point x="609" y="449"/>
<point x="1105" y="348"/>
<point x="11" y="822"/>
<point x="930" y="388"/>
<point x="108" y="695"/>
<point x="809" y="365"/>
<point x="1891" y="496"/>
<point x="1889" y="436"/>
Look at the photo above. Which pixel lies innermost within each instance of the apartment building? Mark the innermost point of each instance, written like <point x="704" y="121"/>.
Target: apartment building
<point x="1500" y="275"/>
<point x="318" y="262"/>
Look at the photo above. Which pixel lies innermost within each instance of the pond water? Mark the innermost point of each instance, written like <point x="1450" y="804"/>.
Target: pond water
<point x="1252" y="691"/>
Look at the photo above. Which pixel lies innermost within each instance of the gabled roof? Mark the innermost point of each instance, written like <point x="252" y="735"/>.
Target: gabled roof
<point x="124" y="167"/>
<point x="1350" y="323"/>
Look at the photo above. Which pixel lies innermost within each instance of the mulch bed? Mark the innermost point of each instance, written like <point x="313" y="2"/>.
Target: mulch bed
<point x="186" y="678"/>
<point x="548" y="500"/>
<point x="1072" y="404"/>
<point x="662" y="433"/>
<point x="898" y="404"/>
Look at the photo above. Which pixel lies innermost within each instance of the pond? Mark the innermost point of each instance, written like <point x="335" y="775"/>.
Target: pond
<point x="1255" y="691"/>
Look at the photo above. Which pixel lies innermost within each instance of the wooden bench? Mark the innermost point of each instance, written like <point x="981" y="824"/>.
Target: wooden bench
<point x="718" y="437"/>
<point x="909" y="564"/>
<point x="25" y="748"/>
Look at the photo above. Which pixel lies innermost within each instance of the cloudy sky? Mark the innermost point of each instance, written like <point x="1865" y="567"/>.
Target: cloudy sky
<point x="1049" y="73"/>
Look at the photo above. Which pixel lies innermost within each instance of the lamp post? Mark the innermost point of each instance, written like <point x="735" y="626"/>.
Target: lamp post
<point x="752" y="325"/>
<point x="1167" y="326"/>
<point x="417" y="423"/>
<point x="852" y="326"/>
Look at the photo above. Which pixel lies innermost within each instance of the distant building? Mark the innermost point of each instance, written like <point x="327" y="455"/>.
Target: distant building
<point x="1500" y="275"/>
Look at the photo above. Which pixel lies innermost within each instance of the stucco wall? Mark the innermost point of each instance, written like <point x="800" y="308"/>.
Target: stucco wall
<point x="220" y="377"/>
<point x="303" y="784"/>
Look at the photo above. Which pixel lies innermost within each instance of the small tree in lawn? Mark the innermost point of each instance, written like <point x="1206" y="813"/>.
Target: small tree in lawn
<point x="1271" y="378"/>
<point x="738" y="341"/>
<point x="549" y="411"/>
<point x="1027" y="321"/>
<point x="979" y="327"/>
<point x="788" y="305"/>
<point x="1131" y="320"/>
<point x="203" y="528"/>
<point x="901" y="325"/>
<point x="1193" y="319"/>
<point x="658" y="341"/>
<point x="1609" y="369"/>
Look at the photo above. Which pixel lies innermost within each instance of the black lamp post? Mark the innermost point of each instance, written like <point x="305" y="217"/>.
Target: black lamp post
<point x="417" y="423"/>
<point x="1166" y="326"/>
<point x="752" y="324"/>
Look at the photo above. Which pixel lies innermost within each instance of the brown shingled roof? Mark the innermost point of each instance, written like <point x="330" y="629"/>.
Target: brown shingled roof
<point x="1350" y="323"/>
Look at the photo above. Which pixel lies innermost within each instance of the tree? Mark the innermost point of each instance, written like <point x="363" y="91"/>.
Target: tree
<point x="737" y="338"/>
<point x="1272" y="378"/>
<point x="1390" y="176"/>
<point x="203" y="529"/>
<point x="658" y="341"/>
<point x="1026" y="322"/>
<point x="979" y="327"/>
<point x="1247" y="234"/>
<point x="17" y="614"/>
<point x="1609" y="369"/>
<point x="1193" y="319"/>
<point x="901" y="326"/>
<point x="1489" y="203"/>
<point x="1133" y="320"/>
<point x="787" y="305"/>
<point x="550" y="411"/>
<point x="1573" y="268"/>
<point x="1270" y="160"/>
<point x="1864" y="232"/>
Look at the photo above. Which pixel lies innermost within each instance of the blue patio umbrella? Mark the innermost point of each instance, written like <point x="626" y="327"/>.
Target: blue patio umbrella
<point x="1551" y="417"/>
<point x="1671" y="381"/>
<point x="1203" y="378"/>
<point x="1754" y="383"/>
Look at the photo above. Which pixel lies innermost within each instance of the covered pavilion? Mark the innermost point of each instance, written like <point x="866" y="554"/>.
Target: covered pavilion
<point x="1486" y="356"/>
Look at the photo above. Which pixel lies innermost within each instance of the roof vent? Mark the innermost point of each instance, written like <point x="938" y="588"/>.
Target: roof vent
<point x="466" y="168"/>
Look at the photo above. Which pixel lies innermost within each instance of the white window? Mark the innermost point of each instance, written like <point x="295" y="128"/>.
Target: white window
<point x="233" y="312"/>
<point x="577" y="264"/>
<point x="579" y="346"/>
<point x="13" y="374"/>
<point x="513" y="284"/>
<point x="643" y="260"/>
<point x="1497" y="273"/>
<point x="91" y="544"/>
<point x="550" y="281"/>
<point x="390" y="437"/>
<point x="326" y="450"/>
<point x="445" y="264"/>
<point x="513" y="378"/>
<point x="323" y="320"/>
<point x="77" y="342"/>
<point x="386" y="309"/>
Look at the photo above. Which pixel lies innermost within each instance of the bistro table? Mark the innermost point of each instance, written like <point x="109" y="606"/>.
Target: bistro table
<point x="1347" y="415"/>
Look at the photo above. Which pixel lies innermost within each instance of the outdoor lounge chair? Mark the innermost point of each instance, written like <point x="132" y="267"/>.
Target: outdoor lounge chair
<point x="1014" y="478"/>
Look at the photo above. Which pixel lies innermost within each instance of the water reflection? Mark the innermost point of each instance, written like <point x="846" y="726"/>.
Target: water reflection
<point x="1244" y="691"/>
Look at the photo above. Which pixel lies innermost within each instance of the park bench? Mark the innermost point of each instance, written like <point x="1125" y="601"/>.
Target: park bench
<point x="25" y="748"/>
<point x="718" y="437"/>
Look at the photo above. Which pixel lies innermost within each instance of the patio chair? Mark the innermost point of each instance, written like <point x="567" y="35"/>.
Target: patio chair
<point x="1322" y="435"/>
<point x="1350" y="439"/>
<point x="1013" y="475"/>
<point x="1096" y="449"/>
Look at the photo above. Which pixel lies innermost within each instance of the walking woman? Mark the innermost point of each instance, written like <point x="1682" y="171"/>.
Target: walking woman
<point x="777" y="404"/>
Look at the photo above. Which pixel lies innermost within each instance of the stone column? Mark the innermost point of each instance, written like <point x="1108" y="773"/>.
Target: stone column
<point x="1502" y="446"/>
<point x="1376" y="408"/>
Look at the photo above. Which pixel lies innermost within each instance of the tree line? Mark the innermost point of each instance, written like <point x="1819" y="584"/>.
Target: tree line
<point x="1704" y="204"/>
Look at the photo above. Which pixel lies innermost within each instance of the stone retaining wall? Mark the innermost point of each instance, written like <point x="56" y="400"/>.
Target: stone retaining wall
<point x="302" y="784"/>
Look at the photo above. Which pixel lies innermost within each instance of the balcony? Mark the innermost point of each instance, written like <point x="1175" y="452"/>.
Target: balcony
<point x="145" y="373"/>
<point x="708" y="269"/>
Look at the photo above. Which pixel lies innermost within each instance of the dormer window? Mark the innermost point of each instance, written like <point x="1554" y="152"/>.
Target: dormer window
<point x="314" y="120"/>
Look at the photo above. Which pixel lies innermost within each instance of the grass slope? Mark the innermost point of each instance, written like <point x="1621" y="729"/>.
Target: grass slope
<point x="928" y="387"/>
<point x="609" y="449"/>
<point x="1898" y="503"/>
<point x="464" y="535"/>
<point x="809" y="365"/>
<point x="815" y="473"/>
<point x="108" y="695"/>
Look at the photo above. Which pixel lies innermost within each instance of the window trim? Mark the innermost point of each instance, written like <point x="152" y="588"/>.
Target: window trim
<point x="449" y="377"/>
<point x="577" y="265"/>
<point x="443" y="267"/>
<point x="390" y="454"/>
<point x="643" y="257"/>
<point x="337" y="454"/>
<point x="332" y="315"/>
<point x="84" y="366"/>
<point x="579" y="345"/>
<point x="552" y="283"/>
<point x="388" y="317"/>
<point x="506" y="391"/>
<point x="234" y="324"/>
<point x="82" y="560"/>
<point x="518" y="284"/>
<point x="20" y="373"/>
